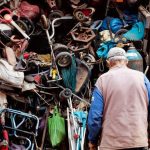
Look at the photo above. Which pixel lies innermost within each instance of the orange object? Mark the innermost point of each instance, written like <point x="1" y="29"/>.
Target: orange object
<point x="119" y="1"/>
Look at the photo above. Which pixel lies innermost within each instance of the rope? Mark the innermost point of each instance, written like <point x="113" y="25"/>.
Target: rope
<point x="69" y="75"/>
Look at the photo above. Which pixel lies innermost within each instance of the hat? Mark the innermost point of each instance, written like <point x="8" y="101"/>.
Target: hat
<point x="116" y="53"/>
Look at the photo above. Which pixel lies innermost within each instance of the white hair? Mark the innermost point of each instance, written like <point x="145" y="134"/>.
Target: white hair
<point x="117" y="58"/>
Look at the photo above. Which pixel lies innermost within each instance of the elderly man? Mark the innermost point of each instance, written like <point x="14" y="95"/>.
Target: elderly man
<point x="119" y="107"/>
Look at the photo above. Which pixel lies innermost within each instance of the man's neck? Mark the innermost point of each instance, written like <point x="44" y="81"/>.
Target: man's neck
<point x="118" y="65"/>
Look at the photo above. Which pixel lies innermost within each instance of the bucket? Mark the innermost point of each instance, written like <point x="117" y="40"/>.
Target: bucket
<point x="135" y="60"/>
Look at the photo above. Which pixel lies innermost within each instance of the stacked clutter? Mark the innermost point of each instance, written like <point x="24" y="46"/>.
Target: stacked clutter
<point x="51" y="53"/>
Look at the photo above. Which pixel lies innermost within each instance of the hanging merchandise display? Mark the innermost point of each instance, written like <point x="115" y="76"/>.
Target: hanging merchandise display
<point x="51" y="54"/>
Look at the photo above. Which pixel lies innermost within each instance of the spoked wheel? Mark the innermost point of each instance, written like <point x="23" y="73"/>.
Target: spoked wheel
<point x="65" y="94"/>
<point x="56" y="14"/>
<point x="63" y="59"/>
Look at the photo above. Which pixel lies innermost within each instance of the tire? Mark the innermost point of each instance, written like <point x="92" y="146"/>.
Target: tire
<point x="63" y="59"/>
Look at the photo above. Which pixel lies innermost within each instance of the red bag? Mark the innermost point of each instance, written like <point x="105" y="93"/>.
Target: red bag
<point x="28" y="10"/>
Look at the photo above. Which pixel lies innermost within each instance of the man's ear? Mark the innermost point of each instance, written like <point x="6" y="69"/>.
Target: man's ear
<point x="108" y="63"/>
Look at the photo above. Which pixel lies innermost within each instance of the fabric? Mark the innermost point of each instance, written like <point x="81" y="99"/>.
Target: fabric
<point x="28" y="10"/>
<point x="147" y="84"/>
<point x="95" y="115"/>
<point x="94" y="125"/>
<point x="139" y="148"/>
<point x="8" y="74"/>
<point x="10" y="55"/>
<point x="69" y="75"/>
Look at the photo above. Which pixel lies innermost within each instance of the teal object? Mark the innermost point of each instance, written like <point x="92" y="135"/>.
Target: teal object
<point x="69" y="75"/>
<point x="136" y="33"/>
<point x="104" y="48"/>
<point x="81" y="117"/>
<point x="135" y="60"/>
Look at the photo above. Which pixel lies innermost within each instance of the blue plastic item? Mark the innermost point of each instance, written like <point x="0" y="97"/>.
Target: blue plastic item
<point x="104" y="49"/>
<point x="115" y="24"/>
<point x="136" y="33"/>
<point x="81" y="117"/>
<point x="96" y="25"/>
<point x="104" y="25"/>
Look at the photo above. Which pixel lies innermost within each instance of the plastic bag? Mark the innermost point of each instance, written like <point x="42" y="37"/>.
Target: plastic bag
<point x="56" y="128"/>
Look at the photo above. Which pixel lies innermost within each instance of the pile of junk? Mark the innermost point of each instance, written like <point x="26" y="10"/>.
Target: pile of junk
<point x="51" y="54"/>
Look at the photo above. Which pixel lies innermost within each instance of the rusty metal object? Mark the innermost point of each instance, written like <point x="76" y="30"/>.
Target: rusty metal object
<point x="79" y="15"/>
<point x="78" y="46"/>
<point x="44" y="131"/>
<point x="58" y="47"/>
<point x="51" y="3"/>
<point x="83" y="14"/>
<point x="82" y="34"/>
<point x="63" y="59"/>
<point x="56" y="14"/>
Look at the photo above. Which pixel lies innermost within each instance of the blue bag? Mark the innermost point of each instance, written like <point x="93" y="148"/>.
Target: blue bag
<point x="104" y="49"/>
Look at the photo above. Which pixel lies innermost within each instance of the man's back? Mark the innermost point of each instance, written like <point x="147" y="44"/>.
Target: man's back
<point x="125" y="108"/>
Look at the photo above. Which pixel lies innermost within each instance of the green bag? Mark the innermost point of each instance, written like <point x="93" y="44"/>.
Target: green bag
<point x="56" y="128"/>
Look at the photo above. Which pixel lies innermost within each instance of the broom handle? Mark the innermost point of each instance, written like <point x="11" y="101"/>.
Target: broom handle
<point x="44" y="132"/>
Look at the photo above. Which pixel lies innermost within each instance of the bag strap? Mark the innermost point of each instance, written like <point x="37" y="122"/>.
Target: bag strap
<point x="56" y="112"/>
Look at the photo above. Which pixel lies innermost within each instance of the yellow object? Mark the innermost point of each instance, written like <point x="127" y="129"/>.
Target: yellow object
<point x="45" y="58"/>
<point x="54" y="73"/>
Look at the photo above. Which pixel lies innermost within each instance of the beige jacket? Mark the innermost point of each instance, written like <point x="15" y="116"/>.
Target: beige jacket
<point x="125" y="109"/>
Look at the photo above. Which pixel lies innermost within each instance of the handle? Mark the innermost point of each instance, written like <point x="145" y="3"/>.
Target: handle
<point x="20" y="30"/>
<point x="56" y="112"/>
<point x="7" y="12"/>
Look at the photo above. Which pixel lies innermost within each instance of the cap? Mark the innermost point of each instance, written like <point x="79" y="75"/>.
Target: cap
<point x="116" y="53"/>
